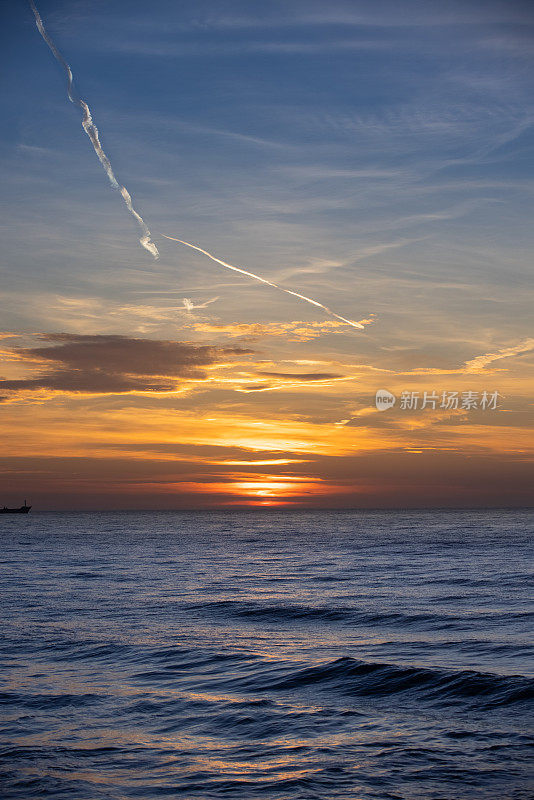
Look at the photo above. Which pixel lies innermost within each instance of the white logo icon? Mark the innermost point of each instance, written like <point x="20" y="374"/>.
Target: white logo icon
<point x="384" y="400"/>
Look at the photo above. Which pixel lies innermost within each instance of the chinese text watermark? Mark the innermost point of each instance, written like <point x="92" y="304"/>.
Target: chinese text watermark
<point x="448" y="401"/>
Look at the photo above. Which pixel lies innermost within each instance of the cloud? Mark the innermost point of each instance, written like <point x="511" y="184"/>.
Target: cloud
<point x="477" y="365"/>
<point x="289" y="380"/>
<point x="189" y="305"/>
<point x="302" y="376"/>
<point x="105" y="364"/>
<point x="295" y="331"/>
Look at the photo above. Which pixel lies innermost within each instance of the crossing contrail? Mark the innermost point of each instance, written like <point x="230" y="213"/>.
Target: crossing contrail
<point x="268" y="283"/>
<point x="92" y="132"/>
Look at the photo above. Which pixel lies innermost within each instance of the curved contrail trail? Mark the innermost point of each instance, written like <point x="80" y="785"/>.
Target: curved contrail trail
<point x="92" y="132"/>
<point x="263" y="280"/>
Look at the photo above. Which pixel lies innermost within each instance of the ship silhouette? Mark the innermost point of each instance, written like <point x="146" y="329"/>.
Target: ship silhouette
<point x="22" y="510"/>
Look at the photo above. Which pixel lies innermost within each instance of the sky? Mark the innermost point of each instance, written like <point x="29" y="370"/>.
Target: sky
<point x="376" y="157"/>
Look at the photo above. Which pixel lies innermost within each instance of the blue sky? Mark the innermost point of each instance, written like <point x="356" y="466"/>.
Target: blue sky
<point x="347" y="150"/>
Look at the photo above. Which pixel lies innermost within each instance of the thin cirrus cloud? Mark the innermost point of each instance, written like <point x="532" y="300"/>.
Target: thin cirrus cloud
<point x="302" y="376"/>
<point x="315" y="13"/>
<point x="378" y="26"/>
<point x="478" y="364"/>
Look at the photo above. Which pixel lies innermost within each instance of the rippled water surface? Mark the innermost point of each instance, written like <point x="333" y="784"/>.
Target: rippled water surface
<point x="268" y="655"/>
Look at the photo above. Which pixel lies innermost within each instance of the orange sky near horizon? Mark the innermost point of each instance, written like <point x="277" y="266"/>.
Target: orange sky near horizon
<point x="81" y="429"/>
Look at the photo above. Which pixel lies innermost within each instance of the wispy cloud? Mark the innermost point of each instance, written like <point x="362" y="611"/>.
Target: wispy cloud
<point x="296" y="331"/>
<point x="478" y="365"/>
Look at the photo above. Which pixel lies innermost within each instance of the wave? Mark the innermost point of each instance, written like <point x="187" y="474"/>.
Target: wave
<point x="48" y="701"/>
<point x="351" y="676"/>
<point x="249" y="674"/>
<point x="276" y="613"/>
<point x="281" y="612"/>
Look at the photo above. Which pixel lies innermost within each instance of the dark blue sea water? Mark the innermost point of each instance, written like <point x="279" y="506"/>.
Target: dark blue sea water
<point x="267" y="655"/>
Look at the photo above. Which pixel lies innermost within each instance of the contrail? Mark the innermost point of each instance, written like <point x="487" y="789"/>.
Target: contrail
<point x="92" y="132"/>
<point x="263" y="280"/>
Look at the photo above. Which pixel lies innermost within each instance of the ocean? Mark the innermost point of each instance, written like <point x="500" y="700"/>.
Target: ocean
<point x="267" y="654"/>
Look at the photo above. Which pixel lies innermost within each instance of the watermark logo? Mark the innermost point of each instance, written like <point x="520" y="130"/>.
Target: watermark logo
<point x="384" y="399"/>
<point x="449" y="401"/>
